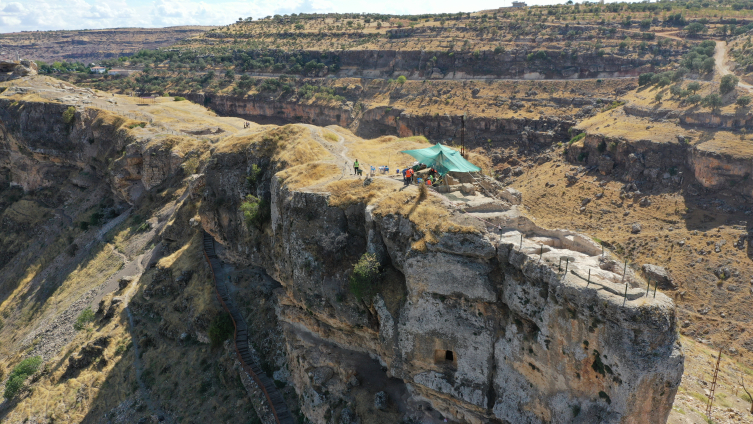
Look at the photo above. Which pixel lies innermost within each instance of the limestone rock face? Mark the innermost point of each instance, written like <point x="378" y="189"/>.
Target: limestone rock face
<point x="482" y="326"/>
<point x="17" y="69"/>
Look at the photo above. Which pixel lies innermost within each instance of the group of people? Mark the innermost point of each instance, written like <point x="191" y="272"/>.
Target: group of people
<point x="409" y="174"/>
<point x="246" y="124"/>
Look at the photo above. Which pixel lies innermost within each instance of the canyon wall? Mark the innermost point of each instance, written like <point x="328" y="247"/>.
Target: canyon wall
<point x="38" y="148"/>
<point x="657" y="165"/>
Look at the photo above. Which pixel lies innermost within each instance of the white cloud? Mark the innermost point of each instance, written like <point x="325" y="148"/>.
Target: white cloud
<point x="14" y="7"/>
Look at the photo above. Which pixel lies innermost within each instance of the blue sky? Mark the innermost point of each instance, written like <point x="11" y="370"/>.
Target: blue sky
<point x="32" y="15"/>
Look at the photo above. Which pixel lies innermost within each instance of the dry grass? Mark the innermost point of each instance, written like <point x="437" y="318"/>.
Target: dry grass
<point x="329" y="136"/>
<point x="26" y="212"/>
<point x="290" y="145"/>
<point x="351" y="191"/>
<point x="309" y="174"/>
<point x="384" y="151"/>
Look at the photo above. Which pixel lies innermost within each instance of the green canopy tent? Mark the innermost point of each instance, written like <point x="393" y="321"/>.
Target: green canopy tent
<point x="443" y="159"/>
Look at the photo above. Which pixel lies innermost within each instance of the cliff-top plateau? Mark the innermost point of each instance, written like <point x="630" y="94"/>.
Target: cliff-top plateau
<point x="185" y="237"/>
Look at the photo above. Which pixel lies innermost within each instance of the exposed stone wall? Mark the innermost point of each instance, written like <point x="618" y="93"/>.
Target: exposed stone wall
<point x="663" y="164"/>
<point x="37" y="148"/>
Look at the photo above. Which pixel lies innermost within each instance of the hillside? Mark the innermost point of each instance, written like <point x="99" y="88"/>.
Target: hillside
<point x="88" y="46"/>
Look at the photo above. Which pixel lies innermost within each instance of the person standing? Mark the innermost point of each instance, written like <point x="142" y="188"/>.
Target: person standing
<point x="355" y="167"/>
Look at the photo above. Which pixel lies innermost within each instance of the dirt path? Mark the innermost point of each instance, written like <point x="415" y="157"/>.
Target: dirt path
<point x="720" y="58"/>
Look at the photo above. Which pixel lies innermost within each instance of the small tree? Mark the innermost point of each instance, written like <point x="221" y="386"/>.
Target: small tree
<point x="694" y="99"/>
<point x="364" y="278"/>
<point x="645" y="79"/>
<point x="255" y="211"/>
<point x="659" y="96"/>
<point x="743" y="101"/>
<point x="728" y="83"/>
<point x="69" y="115"/>
<point x="694" y="86"/>
<point x="695" y="28"/>
<point x="712" y="101"/>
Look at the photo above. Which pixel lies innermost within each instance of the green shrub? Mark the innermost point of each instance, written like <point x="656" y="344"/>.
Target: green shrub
<point x="253" y="175"/>
<point x="365" y="276"/>
<point x="69" y="115"/>
<point x="694" y="99"/>
<point x="220" y="329"/>
<point x="86" y="316"/>
<point x="658" y="96"/>
<point x="19" y="374"/>
<point x="401" y="79"/>
<point x="255" y="211"/>
<point x="743" y="101"/>
<point x="179" y="99"/>
<point x="577" y="138"/>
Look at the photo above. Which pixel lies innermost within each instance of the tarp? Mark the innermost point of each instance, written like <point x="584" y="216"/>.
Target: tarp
<point x="443" y="159"/>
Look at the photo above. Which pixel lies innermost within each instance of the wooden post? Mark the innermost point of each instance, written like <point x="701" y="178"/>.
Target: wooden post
<point x="625" y="300"/>
<point x="648" y="286"/>
<point x="589" y="278"/>
<point x="521" y="242"/>
<point x="567" y="265"/>
<point x="624" y="271"/>
<point x="655" y="286"/>
<point x="559" y="265"/>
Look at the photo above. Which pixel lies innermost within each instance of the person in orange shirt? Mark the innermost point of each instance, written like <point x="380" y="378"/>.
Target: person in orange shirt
<point x="408" y="176"/>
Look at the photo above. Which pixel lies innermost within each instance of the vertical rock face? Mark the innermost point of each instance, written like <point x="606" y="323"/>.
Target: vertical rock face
<point x="482" y="327"/>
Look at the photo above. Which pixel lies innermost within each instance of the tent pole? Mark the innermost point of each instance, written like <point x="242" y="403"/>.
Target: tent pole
<point x="462" y="136"/>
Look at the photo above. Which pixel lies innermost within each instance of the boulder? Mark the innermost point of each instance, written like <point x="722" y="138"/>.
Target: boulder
<point x="659" y="275"/>
<point x="88" y="354"/>
<point x="511" y="195"/>
<point x="381" y="401"/>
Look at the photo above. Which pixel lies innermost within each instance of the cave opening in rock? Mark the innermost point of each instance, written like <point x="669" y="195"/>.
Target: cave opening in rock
<point x="445" y="357"/>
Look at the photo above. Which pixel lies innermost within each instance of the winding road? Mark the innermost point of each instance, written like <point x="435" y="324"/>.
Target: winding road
<point x="720" y="58"/>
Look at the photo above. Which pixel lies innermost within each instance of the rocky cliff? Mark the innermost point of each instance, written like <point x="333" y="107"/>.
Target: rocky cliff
<point x="477" y="317"/>
<point x="479" y="322"/>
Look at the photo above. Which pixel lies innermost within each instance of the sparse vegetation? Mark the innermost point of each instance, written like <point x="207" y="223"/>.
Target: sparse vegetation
<point x="364" y="279"/>
<point x="255" y="211"/>
<point x="18" y="376"/>
<point x="220" y="329"/>
<point x="85" y="317"/>
<point x="69" y="115"/>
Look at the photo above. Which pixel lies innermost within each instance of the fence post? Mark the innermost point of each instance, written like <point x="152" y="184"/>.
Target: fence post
<point x="648" y="286"/>
<point x="655" y="286"/>
<point x="623" y="302"/>
<point x="589" y="278"/>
